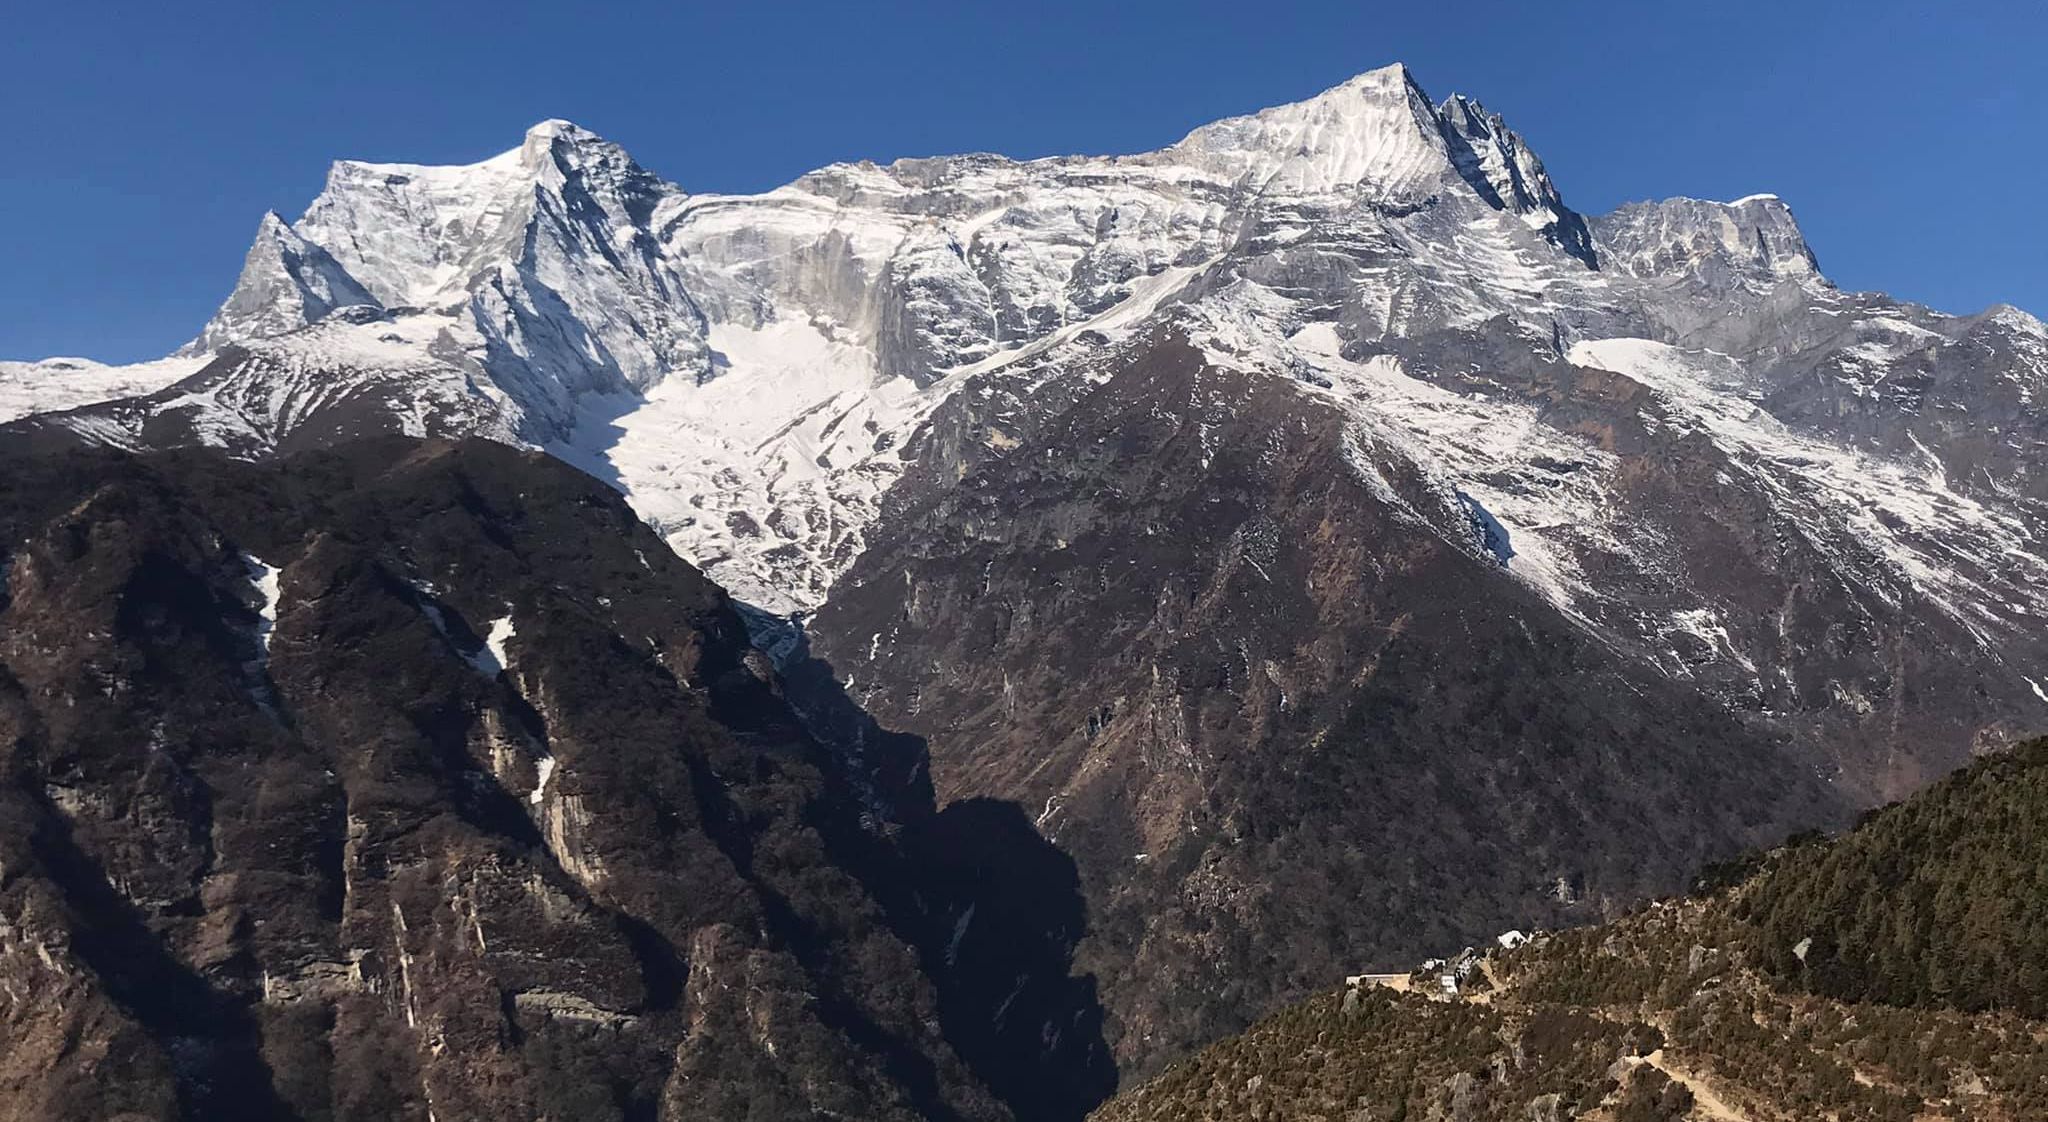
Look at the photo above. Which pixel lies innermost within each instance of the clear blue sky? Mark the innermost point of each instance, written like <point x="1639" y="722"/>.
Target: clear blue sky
<point x="144" y="141"/>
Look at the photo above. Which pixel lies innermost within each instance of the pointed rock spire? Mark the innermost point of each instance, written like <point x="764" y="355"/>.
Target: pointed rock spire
<point x="1497" y="163"/>
<point x="286" y="283"/>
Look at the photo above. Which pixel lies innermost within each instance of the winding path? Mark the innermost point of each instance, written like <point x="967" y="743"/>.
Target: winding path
<point x="1705" y="1101"/>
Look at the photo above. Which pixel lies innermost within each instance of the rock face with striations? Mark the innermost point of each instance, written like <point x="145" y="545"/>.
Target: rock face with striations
<point x="419" y="782"/>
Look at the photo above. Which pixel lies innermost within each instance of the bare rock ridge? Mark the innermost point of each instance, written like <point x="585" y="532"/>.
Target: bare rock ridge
<point x="1328" y="537"/>
<point x="418" y="781"/>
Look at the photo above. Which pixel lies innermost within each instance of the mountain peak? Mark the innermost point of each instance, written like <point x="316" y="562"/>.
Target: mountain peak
<point x="1393" y="75"/>
<point x="555" y="133"/>
<point x="556" y="151"/>
<point x="1393" y="83"/>
<point x="1376" y="129"/>
<point x="554" y="127"/>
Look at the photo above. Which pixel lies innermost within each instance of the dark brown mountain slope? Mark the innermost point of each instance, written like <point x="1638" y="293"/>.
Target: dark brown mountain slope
<point x="502" y="817"/>
<point x="1214" y="641"/>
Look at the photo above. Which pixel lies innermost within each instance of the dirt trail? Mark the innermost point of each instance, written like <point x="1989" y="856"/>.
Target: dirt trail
<point x="1493" y="983"/>
<point x="1706" y="1103"/>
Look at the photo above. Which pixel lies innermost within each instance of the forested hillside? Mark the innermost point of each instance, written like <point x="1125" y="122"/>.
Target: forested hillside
<point x="1941" y="900"/>
<point x="1890" y="975"/>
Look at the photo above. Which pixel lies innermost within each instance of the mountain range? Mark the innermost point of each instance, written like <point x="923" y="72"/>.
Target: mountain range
<point x="1327" y="539"/>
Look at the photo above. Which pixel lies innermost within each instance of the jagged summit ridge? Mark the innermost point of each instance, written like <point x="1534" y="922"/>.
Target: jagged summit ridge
<point x="1494" y="159"/>
<point x="434" y="237"/>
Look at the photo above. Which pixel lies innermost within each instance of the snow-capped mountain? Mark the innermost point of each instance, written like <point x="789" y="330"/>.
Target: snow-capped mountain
<point x="1028" y="437"/>
<point x="751" y="369"/>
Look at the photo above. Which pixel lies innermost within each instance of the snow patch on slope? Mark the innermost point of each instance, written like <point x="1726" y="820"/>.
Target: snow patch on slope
<point x="544" y="770"/>
<point x="263" y="580"/>
<point x="1543" y="489"/>
<point x="1938" y="542"/>
<point x="766" y="479"/>
<point x="56" y="384"/>
<point x="491" y="659"/>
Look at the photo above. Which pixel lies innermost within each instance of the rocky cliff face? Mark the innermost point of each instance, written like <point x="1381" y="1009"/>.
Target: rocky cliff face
<point x="419" y="781"/>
